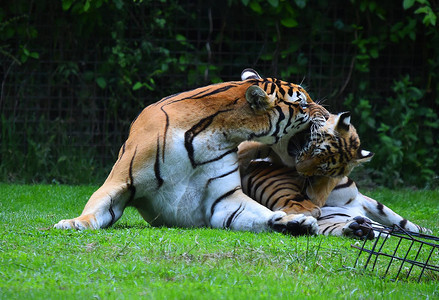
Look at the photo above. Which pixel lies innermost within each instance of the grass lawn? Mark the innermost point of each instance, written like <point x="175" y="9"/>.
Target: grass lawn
<point x="132" y="260"/>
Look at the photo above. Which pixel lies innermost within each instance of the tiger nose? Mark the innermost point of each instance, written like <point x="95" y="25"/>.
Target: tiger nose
<point x="326" y="115"/>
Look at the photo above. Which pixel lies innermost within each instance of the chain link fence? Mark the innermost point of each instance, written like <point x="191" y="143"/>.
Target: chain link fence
<point x="76" y="100"/>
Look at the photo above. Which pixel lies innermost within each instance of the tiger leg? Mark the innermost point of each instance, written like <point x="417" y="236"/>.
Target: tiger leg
<point x="384" y="215"/>
<point x="107" y="204"/>
<point x="103" y="209"/>
<point x="239" y="212"/>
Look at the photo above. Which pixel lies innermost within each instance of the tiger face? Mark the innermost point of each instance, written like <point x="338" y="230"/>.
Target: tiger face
<point x="285" y="102"/>
<point x="333" y="150"/>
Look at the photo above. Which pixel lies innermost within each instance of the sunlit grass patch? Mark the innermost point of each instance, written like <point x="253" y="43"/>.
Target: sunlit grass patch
<point x="132" y="259"/>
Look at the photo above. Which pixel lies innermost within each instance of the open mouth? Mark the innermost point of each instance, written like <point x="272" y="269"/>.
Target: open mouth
<point x="298" y="142"/>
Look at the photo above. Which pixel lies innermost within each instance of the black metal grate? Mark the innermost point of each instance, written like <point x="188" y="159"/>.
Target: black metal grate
<point x="400" y="254"/>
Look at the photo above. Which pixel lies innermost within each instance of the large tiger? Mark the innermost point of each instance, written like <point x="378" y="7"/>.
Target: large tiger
<point x="317" y="186"/>
<point x="179" y="167"/>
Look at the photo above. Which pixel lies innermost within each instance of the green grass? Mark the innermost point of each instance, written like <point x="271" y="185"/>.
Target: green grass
<point x="131" y="259"/>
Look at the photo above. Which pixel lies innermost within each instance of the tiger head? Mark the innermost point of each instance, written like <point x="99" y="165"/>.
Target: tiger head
<point x="332" y="151"/>
<point x="289" y="104"/>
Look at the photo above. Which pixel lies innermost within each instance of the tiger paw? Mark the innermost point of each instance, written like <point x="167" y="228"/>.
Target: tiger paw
<point x="79" y="223"/>
<point x="295" y="224"/>
<point x="359" y="227"/>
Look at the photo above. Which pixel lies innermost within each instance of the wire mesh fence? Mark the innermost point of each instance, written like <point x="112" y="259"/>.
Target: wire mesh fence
<point x="400" y="255"/>
<point x="77" y="99"/>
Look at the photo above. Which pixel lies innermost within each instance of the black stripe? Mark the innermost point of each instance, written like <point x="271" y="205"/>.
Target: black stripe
<point x="296" y="200"/>
<point x="273" y="88"/>
<point x="165" y="132"/>
<point x="281" y="91"/>
<point x="130" y="184"/>
<point x="123" y="152"/>
<point x="291" y="113"/>
<point x="222" y="198"/>
<point x="403" y="223"/>
<point x="274" y="202"/>
<point x="262" y="174"/>
<point x="279" y="120"/>
<point x="237" y="215"/>
<point x="182" y="99"/>
<point x="216" y="91"/>
<point x="349" y="201"/>
<point x="252" y="174"/>
<point x="230" y="218"/>
<point x="157" y="165"/>
<point x="344" y="185"/>
<point x="266" y="86"/>
<point x="113" y="215"/>
<point x="333" y="226"/>
<point x="332" y="216"/>
<point x="194" y="131"/>
<point x="234" y="150"/>
<point x="221" y="176"/>
<point x="380" y="208"/>
<point x="169" y="97"/>
<point x="290" y="91"/>
<point x="279" y="186"/>
<point x="204" y="90"/>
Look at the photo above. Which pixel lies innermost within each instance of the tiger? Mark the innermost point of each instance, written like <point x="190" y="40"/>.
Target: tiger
<point x="318" y="185"/>
<point x="179" y="164"/>
<point x="315" y="160"/>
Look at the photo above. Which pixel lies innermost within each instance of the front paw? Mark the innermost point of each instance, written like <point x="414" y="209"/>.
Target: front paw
<point x="295" y="224"/>
<point x="359" y="227"/>
<point x="79" y="223"/>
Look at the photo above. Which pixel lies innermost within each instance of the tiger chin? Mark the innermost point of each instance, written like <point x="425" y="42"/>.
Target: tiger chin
<point x="179" y="165"/>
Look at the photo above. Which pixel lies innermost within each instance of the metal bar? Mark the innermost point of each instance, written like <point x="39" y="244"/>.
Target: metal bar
<point x="416" y="257"/>
<point x="426" y="263"/>
<point x="373" y="248"/>
<point x="361" y="251"/>
<point x="393" y="256"/>
<point x="402" y="234"/>
<point x="405" y="258"/>
<point x="381" y="247"/>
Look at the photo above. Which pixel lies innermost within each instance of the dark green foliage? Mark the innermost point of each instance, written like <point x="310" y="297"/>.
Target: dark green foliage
<point x="405" y="128"/>
<point x="75" y="73"/>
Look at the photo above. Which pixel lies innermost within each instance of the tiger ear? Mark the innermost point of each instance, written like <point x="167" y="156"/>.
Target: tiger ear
<point x="344" y="121"/>
<point x="363" y="156"/>
<point x="249" y="74"/>
<point x="258" y="99"/>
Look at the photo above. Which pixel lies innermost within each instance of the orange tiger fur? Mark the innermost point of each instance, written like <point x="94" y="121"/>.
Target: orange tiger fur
<point x="178" y="166"/>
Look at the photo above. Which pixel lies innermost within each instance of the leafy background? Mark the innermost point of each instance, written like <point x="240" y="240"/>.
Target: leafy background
<point x="75" y="73"/>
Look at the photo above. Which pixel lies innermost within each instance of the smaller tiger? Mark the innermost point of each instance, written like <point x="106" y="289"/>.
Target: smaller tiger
<point x="331" y="151"/>
<point x="318" y="159"/>
<point x="318" y="185"/>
